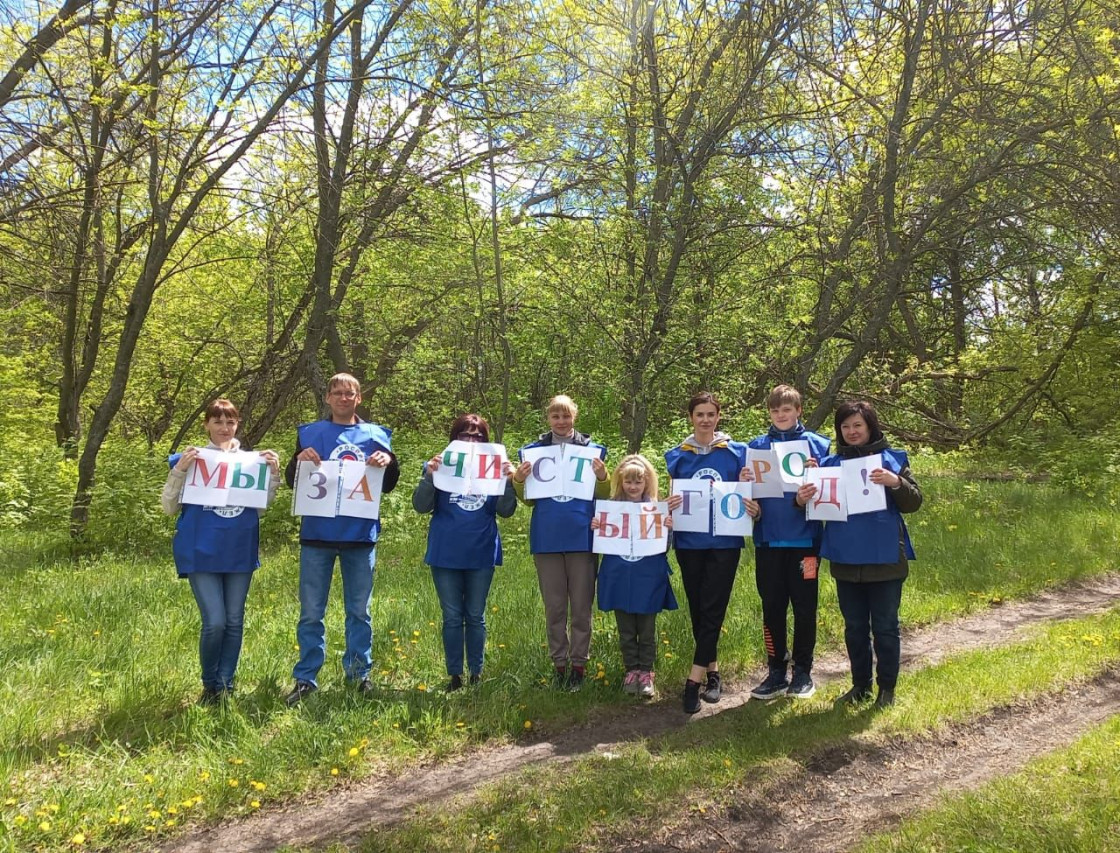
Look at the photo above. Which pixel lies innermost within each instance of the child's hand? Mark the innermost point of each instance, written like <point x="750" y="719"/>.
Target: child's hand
<point x="675" y="502"/>
<point x="668" y="521"/>
<point x="434" y="463"/>
<point x="746" y="475"/>
<point x="507" y="469"/>
<point x="309" y="454"/>
<point x="754" y="508"/>
<point x="883" y="477"/>
<point x="522" y="472"/>
<point x="806" y="493"/>
<point x="595" y="523"/>
<point x="811" y="462"/>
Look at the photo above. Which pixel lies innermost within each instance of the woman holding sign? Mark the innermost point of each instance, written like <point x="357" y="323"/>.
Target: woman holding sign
<point x="463" y="548"/>
<point x="708" y="561"/>
<point x="560" y="533"/>
<point x="215" y="549"/>
<point x="868" y="553"/>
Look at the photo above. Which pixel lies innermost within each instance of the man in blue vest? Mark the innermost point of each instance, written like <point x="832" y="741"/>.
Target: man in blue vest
<point x="352" y="541"/>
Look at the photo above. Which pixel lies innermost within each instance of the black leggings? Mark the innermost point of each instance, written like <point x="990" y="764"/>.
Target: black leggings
<point x="708" y="576"/>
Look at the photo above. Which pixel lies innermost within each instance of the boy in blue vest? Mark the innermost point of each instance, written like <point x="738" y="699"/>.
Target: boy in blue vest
<point x="352" y="541"/>
<point x="786" y="549"/>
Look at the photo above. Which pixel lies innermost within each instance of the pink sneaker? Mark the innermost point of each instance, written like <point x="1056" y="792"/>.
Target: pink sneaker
<point x="630" y="683"/>
<point x="645" y="685"/>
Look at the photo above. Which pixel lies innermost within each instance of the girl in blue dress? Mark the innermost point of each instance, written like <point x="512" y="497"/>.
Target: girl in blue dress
<point x="636" y="588"/>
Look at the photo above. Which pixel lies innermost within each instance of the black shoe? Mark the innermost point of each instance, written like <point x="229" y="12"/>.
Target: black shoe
<point x="476" y="678"/>
<point x="774" y="685"/>
<point x="575" y="679"/>
<point x="365" y="686"/>
<point x="859" y="694"/>
<point x="801" y="685"/>
<point x="691" y="697"/>
<point x="560" y="678"/>
<point x="302" y="689"/>
<point x="210" y="696"/>
<point x="456" y="683"/>
<point x="714" y="688"/>
<point x="885" y="698"/>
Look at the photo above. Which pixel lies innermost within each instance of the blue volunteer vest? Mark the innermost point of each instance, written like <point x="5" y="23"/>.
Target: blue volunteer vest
<point x="635" y="586"/>
<point x="561" y="524"/>
<point x="722" y="465"/>
<point x="215" y="538"/>
<point x="870" y="537"/>
<point x="463" y="532"/>
<point x="343" y="441"/>
<point x="782" y="520"/>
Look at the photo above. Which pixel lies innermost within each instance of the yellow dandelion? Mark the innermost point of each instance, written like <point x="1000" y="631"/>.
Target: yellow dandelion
<point x="171" y="822"/>
<point x="149" y="828"/>
<point x="54" y="808"/>
<point x="416" y="633"/>
<point x="154" y="815"/>
<point x="256" y="804"/>
<point x="11" y="801"/>
<point x="172" y="810"/>
<point x="727" y="762"/>
<point x="113" y="821"/>
<point x="204" y="775"/>
<point x="421" y="687"/>
<point x="258" y="786"/>
<point x="237" y="761"/>
<point x="334" y="771"/>
<point x="528" y="725"/>
<point x="951" y="527"/>
<point x="149" y="778"/>
<point x="233" y="783"/>
<point x="126" y="820"/>
<point x="45" y="825"/>
<point x="19" y="820"/>
<point x="353" y="752"/>
<point x="396" y="725"/>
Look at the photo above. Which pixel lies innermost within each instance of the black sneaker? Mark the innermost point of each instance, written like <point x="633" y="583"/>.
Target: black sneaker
<point x="885" y="698"/>
<point x="801" y="685"/>
<point x="690" y="699"/>
<point x="560" y="678"/>
<point x="476" y="678"/>
<point x="456" y="683"/>
<point x="575" y="679"/>
<point x="859" y="694"/>
<point x="210" y="696"/>
<point x="713" y="689"/>
<point x="774" y="685"/>
<point x="302" y="689"/>
<point x="365" y="686"/>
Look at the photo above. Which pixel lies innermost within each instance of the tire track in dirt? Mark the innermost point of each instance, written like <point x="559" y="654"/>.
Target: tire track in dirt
<point x="347" y="814"/>
<point x="848" y="793"/>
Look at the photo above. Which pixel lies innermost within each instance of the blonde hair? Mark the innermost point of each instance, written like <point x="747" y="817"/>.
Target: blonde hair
<point x="635" y="464"/>
<point x="343" y="379"/>
<point x="562" y="403"/>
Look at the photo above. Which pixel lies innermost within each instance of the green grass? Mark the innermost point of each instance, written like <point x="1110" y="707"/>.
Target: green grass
<point x="98" y="664"/>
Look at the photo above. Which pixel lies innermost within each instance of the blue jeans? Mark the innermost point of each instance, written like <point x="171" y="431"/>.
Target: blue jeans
<point x="872" y="608"/>
<point x="221" y="603"/>
<point x="316" y="568"/>
<point x="462" y="598"/>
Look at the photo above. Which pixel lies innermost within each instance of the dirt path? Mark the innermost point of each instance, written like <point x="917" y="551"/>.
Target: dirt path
<point x="846" y="794"/>
<point x="345" y="815"/>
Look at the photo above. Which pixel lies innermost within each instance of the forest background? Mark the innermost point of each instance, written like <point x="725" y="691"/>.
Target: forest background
<point x="476" y="205"/>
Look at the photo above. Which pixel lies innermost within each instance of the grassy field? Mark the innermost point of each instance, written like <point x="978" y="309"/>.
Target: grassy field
<point x="102" y="744"/>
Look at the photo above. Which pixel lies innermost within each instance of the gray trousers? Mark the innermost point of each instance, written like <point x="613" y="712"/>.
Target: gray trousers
<point x="637" y="637"/>
<point x="567" y="582"/>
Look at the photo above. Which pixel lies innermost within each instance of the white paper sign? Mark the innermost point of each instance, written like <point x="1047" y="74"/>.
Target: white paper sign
<point x="471" y="468"/>
<point x="248" y="485"/>
<point x="767" y="477"/>
<point x="221" y="478"/>
<point x="694" y="515"/>
<point x="631" y="529"/>
<point x="360" y="489"/>
<point x="792" y="456"/>
<point x="829" y="503"/>
<point x="730" y="510"/>
<point x="862" y="495"/>
<point x="315" y="489"/>
<point x="560" y="471"/>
